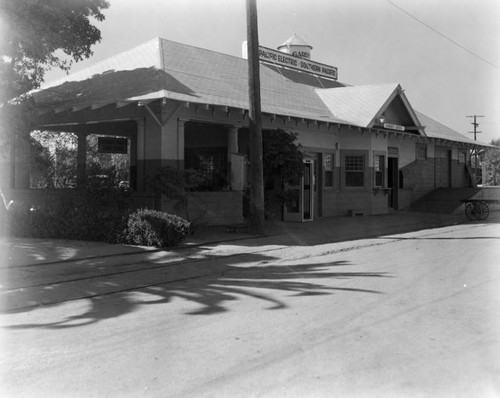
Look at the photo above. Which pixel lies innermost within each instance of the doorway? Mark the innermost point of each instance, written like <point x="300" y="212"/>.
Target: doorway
<point x="308" y="191"/>
<point x="443" y="167"/>
<point x="393" y="182"/>
<point x="302" y="208"/>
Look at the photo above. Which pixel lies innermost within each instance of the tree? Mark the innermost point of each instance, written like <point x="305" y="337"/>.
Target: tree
<point x="54" y="161"/>
<point x="282" y="157"/>
<point x="36" y="36"/>
<point x="491" y="165"/>
<point x="32" y="32"/>
<point x="115" y="166"/>
<point x="283" y="167"/>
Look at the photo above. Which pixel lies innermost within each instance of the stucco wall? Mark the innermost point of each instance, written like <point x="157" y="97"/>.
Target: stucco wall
<point x="211" y="208"/>
<point x="164" y="145"/>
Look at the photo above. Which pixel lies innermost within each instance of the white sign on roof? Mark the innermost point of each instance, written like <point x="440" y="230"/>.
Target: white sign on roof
<point x="289" y="61"/>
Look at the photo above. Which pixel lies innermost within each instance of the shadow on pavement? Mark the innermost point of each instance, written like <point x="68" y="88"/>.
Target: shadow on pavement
<point x="27" y="251"/>
<point x="212" y="291"/>
<point x="329" y="229"/>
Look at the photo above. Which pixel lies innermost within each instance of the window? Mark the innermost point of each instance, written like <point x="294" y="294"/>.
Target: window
<point x="379" y="170"/>
<point x="461" y="157"/>
<point x="212" y="162"/>
<point x="421" y="151"/>
<point x="54" y="160"/>
<point x="328" y="164"/>
<point x="354" y="170"/>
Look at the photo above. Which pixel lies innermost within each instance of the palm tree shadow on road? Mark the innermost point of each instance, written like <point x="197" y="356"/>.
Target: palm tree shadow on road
<point x="211" y="290"/>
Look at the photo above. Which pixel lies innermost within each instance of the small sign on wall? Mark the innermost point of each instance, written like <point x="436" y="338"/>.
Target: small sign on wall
<point x="112" y="145"/>
<point x="394" y="126"/>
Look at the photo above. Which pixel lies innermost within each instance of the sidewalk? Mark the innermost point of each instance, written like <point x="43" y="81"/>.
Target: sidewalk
<point x="19" y="251"/>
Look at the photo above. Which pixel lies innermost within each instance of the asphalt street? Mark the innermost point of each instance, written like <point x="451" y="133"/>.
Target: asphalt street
<point x="399" y="315"/>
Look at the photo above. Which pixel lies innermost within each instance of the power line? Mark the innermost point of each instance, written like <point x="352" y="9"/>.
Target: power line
<point x="442" y="35"/>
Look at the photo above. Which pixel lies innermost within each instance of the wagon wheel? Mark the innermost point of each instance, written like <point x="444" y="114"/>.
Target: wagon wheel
<point x="483" y="211"/>
<point x="469" y="211"/>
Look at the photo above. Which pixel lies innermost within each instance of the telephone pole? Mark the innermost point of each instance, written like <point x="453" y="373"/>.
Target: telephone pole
<point x="475" y="124"/>
<point x="475" y="132"/>
<point x="256" y="175"/>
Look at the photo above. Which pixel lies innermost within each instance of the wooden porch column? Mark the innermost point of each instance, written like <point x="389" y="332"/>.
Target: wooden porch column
<point x="232" y="141"/>
<point x="180" y="144"/>
<point x="81" y="160"/>
<point x="141" y="155"/>
<point x="133" y="162"/>
<point x="232" y="148"/>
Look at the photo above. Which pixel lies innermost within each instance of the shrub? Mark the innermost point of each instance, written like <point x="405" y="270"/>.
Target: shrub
<point x="94" y="213"/>
<point x="97" y="213"/>
<point x="147" y="227"/>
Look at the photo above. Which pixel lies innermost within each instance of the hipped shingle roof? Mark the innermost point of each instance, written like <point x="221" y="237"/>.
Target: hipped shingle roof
<point x="161" y="68"/>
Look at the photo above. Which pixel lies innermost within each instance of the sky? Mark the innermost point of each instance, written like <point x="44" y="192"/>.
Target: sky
<point x="444" y="53"/>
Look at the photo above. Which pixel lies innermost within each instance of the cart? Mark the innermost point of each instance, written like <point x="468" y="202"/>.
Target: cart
<point x="478" y="209"/>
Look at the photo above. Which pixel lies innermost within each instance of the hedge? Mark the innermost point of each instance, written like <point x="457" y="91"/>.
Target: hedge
<point x="95" y="215"/>
<point x="147" y="227"/>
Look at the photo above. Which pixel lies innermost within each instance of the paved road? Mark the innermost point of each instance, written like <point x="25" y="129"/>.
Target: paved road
<point x="409" y="315"/>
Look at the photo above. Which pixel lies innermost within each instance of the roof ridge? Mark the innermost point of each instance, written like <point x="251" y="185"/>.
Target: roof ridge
<point x="161" y="53"/>
<point x="394" y="84"/>
<point x="203" y="49"/>
<point x="354" y="87"/>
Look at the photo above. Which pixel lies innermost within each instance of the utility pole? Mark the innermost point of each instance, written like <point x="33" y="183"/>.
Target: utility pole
<point x="256" y="177"/>
<point x="475" y="124"/>
<point x="475" y="132"/>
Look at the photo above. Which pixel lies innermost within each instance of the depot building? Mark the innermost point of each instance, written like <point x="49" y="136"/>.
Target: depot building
<point x="366" y="150"/>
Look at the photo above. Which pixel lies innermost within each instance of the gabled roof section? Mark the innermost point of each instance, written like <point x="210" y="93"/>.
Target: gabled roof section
<point x="436" y="130"/>
<point x="363" y="106"/>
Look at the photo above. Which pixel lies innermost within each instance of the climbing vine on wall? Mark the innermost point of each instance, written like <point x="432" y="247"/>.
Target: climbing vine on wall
<point x="283" y="167"/>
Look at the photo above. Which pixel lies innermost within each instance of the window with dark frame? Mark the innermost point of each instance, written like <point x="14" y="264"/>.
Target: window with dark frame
<point x="354" y="171"/>
<point x="212" y="162"/>
<point x="328" y="165"/>
<point x="462" y="157"/>
<point x="421" y="151"/>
